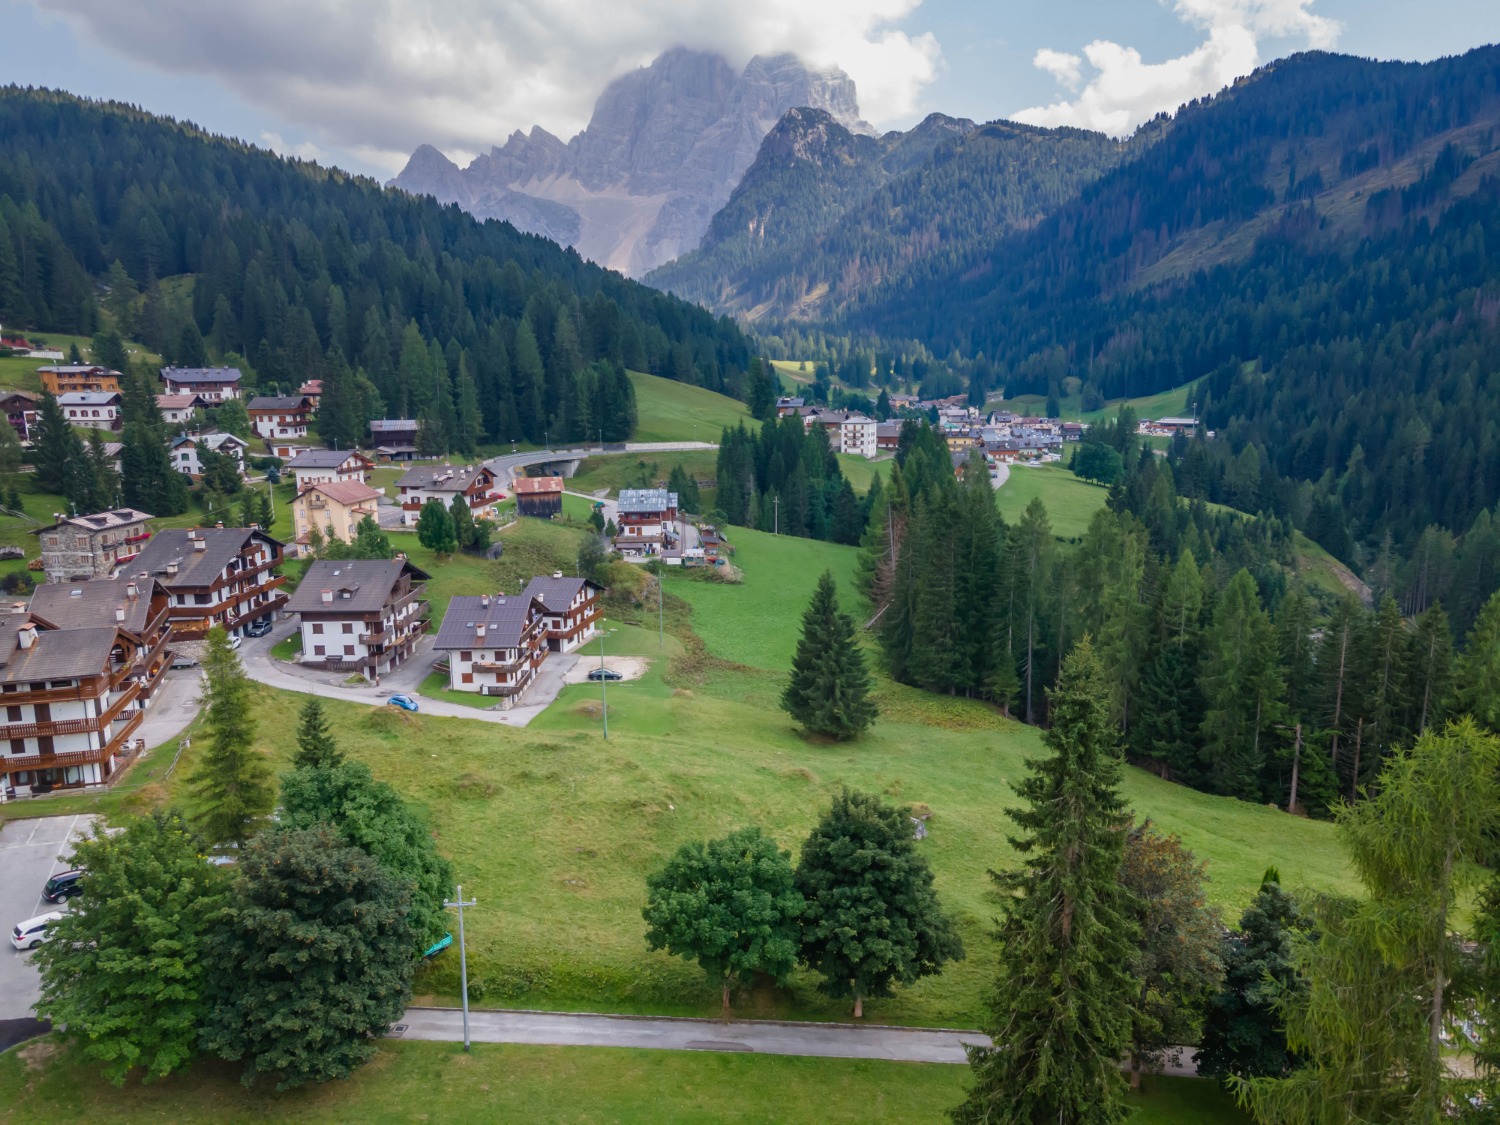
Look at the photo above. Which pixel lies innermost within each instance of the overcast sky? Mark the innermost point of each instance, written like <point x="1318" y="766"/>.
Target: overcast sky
<point x="360" y="83"/>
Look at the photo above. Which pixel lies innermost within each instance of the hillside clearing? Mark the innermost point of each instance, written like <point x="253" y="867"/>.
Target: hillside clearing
<point x="670" y="411"/>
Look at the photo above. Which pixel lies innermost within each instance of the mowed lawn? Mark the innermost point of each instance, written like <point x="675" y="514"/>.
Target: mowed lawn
<point x="416" y="1081"/>
<point x="667" y="410"/>
<point x="1071" y="501"/>
<point x="615" y="471"/>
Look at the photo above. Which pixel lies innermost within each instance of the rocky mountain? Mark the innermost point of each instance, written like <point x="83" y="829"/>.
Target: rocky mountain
<point x="823" y="214"/>
<point x="665" y="147"/>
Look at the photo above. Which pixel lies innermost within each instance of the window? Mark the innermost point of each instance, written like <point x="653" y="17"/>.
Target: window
<point x="13" y="714"/>
<point x="348" y="627"/>
<point x="318" y="628"/>
<point x="348" y="650"/>
<point x="318" y="650"/>
<point x="467" y="677"/>
<point x="466" y="656"/>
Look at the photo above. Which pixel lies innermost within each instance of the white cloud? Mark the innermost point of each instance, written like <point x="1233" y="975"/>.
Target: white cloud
<point x="380" y="77"/>
<point x="1125" y="90"/>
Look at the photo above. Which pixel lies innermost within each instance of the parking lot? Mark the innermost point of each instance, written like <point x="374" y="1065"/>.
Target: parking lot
<point x="31" y="851"/>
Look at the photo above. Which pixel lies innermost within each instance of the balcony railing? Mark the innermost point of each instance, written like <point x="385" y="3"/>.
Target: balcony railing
<point x="118" y="745"/>
<point x="74" y="726"/>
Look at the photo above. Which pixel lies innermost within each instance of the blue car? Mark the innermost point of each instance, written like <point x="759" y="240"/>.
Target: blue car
<point x="405" y="702"/>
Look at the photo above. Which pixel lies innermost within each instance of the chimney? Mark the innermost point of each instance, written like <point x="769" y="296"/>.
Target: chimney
<point x="557" y="574"/>
<point x="200" y="544"/>
<point x="132" y="590"/>
<point x="220" y="525"/>
<point x="484" y="599"/>
<point x="119" y="613"/>
<point x="26" y="635"/>
<point x="479" y="631"/>
<point x="327" y="596"/>
<point x="172" y="569"/>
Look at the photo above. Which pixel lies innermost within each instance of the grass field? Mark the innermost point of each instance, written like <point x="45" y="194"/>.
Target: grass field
<point x="1071" y="501"/>
<point x="672" y="411"/>
<point x="438" y="1081"/>
<point x="615" y="471"/>
<point x="1172" y="403"/>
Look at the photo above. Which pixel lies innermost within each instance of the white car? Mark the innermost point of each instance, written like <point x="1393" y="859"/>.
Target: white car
<point x="32" y="932"/>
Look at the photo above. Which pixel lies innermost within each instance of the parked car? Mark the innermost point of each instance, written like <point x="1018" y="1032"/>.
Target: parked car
<point x="597" y="674"/>
<point x="235" y="642"/>
<point x="258" y="628"/>
<point x="32" y="932"/>
<point x="64" y="885"/>
<point x="405" y="702"/>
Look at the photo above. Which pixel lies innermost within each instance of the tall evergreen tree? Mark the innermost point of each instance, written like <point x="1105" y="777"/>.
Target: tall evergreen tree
<point x="315" y="745"/>
<point x="1477" y="679"/>
<point x="1060" y="1015"/>
<point x="435" y="528"/>
<point x="232" y="781"/>
<point x="1243" y="690"/>
<point x="829" y="689"/>
<point x="1429" y="670"/>
<point x="463" y="521"/>
<point x="57" y="452"/>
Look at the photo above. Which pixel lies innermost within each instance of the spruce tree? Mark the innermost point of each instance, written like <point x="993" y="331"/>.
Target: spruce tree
<point x="829" y="689"/>
<point x="57" y="451"/>
<point x="232" y="781"/>
<point x="1477" y="683"/>
<point x="1429" y="670"/>
<point x="463" y="521"/>
<point x="1243" y="689"/>
<point x="1060" y="1015"/>
<point x="315" y="746"/>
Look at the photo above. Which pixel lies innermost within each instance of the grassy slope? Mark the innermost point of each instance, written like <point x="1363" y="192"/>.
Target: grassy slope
<point x="539" y="1084"/>
<point x="672" y="411"/>
<point x="1170" y="403"/>
<point x="1071" y="502"/>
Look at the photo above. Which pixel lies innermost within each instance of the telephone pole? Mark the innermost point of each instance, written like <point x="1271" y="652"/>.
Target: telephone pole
<point x="776" y="517"/>
<point x="463" y="954"/>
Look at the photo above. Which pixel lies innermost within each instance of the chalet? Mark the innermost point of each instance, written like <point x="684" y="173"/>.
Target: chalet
<point x="77" y="547"/>
<point x="360" y="615"/>
<point x="539" y="496"/>
<point x="215" y="384"/>
<point x="313" y="391"/>
<point x="1173" y="425"/>
<point x="335" y="508"/>
<point x="280" y="416"/>
<point x="571" y="606"/>
<point x="185" y="450"/>
<point x="475" y="483"/>
<point x="321" y="466"/>
<point x="716" y="549"/>
<point x="213" y="576"/>
<point x="178" y="410"/>
<point x="887" y="436"/>
<point x="71" y="700"/>
<point x="20" y="408"/>
<point x="97" y="410"/>
<point x="647" y="521"/>
<point x="1071" y="431"/>
<point x="395" y="439"/>
<point x="79" y="378"/>
<point x="494" y="644"/>
<point x="785" y="406"/>
<point x="138" y="607"/>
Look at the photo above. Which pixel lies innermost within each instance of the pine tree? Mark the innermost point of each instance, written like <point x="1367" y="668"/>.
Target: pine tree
<point x="1243" y="690"/>
<point x="101" y="489"/>
<point x="56" y="451"/>
<point x="527" y="380"/>
<point x="872" y="918"/>
<point x="463" y="521"/>
<point x="315" y="746"/>
<point x="935" y="628"/>
<point x="829" y="688"/>
<point x="1429" y="670"/>
<point x="761" y="390"/>
<point x="1060" y="1015"/>
<point x="469" y="422"/>
<point x="1477" y="681"/>
<point x="232" y="781"/>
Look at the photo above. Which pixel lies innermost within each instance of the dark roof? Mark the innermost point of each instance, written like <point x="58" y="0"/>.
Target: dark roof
<point x="194" y="567"/>
<point x="556" y="592"/>
<point x="202" y="374"/>
<point x="358" y="585"/>
<point x="80" y="605"/>
<point x="101" y="521"/>
<point x="504" y="620"/>
<point x="321" y="458"/>
<point x="442" y="478"/>
<point x="392" y="425"/>
<point x="56" y="654"/>
<point x="278" y="402"/>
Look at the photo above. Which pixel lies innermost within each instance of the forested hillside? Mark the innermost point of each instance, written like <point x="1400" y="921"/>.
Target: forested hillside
<point x="825" y="215"/>
<point x="406" y="309"/>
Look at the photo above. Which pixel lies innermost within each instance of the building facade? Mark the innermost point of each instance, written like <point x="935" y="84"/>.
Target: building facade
<point x="79" y="379"/>
<point x="475" y="483"/>
<point x="394" y="439"/>
<point x="571" y="609"/>
<point x="78" y="547"/>
<point x="137" y="606"/>
<point x="178" y="410"/>
<point x="335" y="508"/>
<point x="280" y="417"/>
<point x="212" y="576"/>
<point x="360" y="615"/>
<point x="321" y="466"/>
<point x="186" y="450"/>
<point x="96" y="410"/>
<point x="647" y="519"/>
<point x="20" y="409"/>
<point x="494" y="644"/>
<point x="215" y="384"/>
<point x="539" y="496"/>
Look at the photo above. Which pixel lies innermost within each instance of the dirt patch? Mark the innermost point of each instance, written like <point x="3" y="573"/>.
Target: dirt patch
<point x="629" y="668"/>
<point x="35" y="1055"/>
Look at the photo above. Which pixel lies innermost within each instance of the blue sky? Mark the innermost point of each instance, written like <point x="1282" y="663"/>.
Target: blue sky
<point x="360" y="83"/>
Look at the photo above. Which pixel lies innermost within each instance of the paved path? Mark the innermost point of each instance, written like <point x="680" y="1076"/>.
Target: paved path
<point x="506" y="464"/>
<point x="31" y="851"/>
<point x="173" y="709"/>
<point x="1000" y="475"/>
<point x="764" y="1037"/>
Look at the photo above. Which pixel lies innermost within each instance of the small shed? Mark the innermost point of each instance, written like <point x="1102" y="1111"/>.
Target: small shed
<point x="539" y="496"/>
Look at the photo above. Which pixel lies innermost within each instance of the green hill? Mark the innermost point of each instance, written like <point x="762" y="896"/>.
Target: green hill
<point x="672" y="411"/>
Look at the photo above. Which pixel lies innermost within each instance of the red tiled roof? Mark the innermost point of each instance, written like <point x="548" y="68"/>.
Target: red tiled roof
<point x="345" y="491"/>
<point x="535" y="486"/>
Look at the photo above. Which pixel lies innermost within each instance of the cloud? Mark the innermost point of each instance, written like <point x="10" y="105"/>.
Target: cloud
<point x="1125" y="90"/>
<point x="380" y="77"/>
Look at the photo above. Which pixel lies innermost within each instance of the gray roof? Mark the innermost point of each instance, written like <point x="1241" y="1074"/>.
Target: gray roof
<point x="441" y="478"/>
<point x="80" y="605"/>
<point x="504" y="620"/>
<point x="101" y="521"/>
<point x="278" y="402"/>
<point x="89" y="398"/>
<point x="556" y="592"/>
<point x="194" y="567"/>
<point x="320" y="458"/>
<point x="392" y="425"/>
<point x="358" y="585"/>
<point x="56" y="654"/>
<point x="202" y="374"/>
<point x="646" y="500"/>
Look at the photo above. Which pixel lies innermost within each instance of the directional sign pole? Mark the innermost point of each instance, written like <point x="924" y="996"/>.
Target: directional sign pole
<point x="463" y="954"/>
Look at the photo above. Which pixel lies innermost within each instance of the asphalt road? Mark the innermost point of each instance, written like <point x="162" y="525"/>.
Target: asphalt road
<point x="31" y="851"/>
<point x="764" y="1037"/>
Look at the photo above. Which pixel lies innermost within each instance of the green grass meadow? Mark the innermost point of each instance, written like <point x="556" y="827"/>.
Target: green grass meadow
<point x="1071" y="501"/>
<point x="672" y="411"/>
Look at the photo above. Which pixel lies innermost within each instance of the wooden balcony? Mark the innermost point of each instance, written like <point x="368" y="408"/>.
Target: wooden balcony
<point x="118" y="745"/>
<point x="74" y="726"/>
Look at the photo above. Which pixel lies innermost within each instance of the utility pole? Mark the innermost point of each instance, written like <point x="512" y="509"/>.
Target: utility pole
<point x="776" y="518"/>
<point x="1291" y="805"/>
<point x="603" y="680"/>
<point x="463" y="953"/>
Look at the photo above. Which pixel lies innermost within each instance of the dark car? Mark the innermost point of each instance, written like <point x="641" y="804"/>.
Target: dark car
<point x="63" y="885"/>
<point x="597" y="674"/>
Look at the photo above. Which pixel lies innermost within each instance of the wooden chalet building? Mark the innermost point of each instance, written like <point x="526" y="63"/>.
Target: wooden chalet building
<point x="137" y="606"/>
<point x="494" y="644"/>
<point x="360" y="615"/>
<point x="213" y="576"/>
<point x="77" y="547"/>
<point x="647" y="521"/>
<point x="421" y="483"/>
<point x="539" y="496"/>
<point x="280" y="417"/>
<point x="394" y="439"/>
<point x="20" y="409"/>
<point x="79" y="378"/>
<point x="571" y="606"/>
<point x="185" y="450"/>
<point x="215" y="384"/>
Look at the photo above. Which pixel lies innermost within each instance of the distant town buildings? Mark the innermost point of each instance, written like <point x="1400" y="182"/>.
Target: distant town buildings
<point x="647" y="519"/>
<point x="96" y="410"/>
<point x="321" y="466"/>
<point x="213" y="576"/>
<point x="215" y="384"/>
<point x="187" y="450"/>
<point x="79" y="379"/>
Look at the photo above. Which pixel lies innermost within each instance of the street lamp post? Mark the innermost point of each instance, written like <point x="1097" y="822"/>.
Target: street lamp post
<point x="463" y="954"/>
<point x="603" y="678"/>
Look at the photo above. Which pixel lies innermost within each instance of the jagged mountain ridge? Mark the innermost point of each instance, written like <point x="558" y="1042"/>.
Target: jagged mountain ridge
<point x="824" y="215"/>
<point x="665" y="147"/>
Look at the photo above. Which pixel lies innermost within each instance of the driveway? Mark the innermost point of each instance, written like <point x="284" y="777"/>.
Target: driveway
<point x="173" y="709"/>
<point x="31" y="851"/>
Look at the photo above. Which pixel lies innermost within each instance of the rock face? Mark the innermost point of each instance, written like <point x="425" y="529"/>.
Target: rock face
<point x="665" y="147"/>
